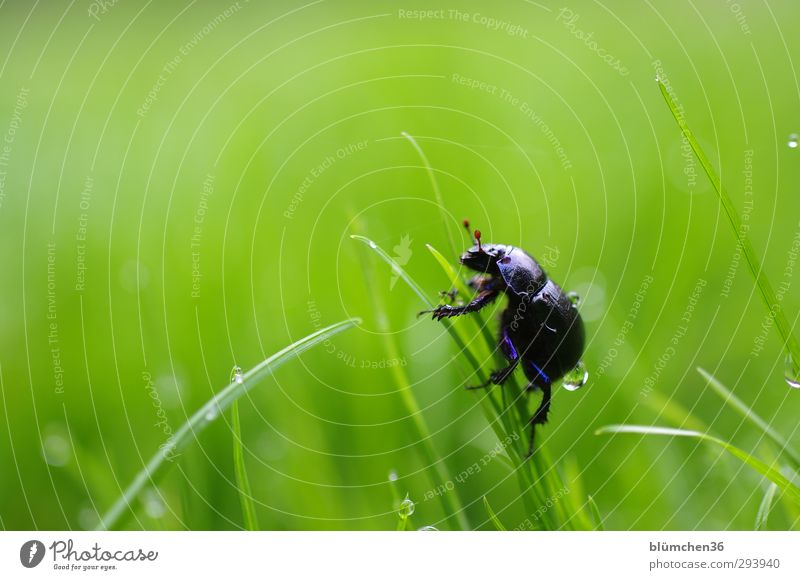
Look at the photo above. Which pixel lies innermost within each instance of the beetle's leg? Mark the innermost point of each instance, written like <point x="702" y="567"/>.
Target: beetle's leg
<point x="538" y="378"/>
<point x="449" y="295"/>
<point x="497" y="377"/>
<point x="483" y="298"/>
<point x="480" y="282"/>
<point x="500" y="376"/>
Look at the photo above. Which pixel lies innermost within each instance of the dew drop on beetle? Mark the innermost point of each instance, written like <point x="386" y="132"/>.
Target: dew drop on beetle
<point x="576" y="378"/>
<point x="574" y="298"/>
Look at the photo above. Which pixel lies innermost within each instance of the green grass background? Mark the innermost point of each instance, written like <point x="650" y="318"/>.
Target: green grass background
<point x="261" y="100"/>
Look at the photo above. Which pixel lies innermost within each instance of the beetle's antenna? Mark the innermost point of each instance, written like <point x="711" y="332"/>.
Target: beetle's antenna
<point x="478" y="240"/>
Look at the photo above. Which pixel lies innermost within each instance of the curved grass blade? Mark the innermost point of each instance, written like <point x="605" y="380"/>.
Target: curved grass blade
<point x="451" y="502"/>
<point x="436" y="191"/>
<point x="763" y="509"/>
<point x="756" y="270"/>
<point x="242" y="481"/>
<point x="598" y="519"/>
<point x="492" y="516"/>
<point x="770" y="473"/>
<point x="211" y="410"/>
<point x="740" y="407"/>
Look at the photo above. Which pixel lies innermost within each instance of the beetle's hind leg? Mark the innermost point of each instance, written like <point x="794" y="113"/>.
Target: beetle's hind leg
<point x="538" y="379"/>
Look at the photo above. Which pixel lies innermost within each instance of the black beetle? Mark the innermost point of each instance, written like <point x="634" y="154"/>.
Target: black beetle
<point x="540" y="327"/>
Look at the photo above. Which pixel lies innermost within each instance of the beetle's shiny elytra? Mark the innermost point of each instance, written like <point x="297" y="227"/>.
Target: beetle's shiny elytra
<point x="540" y="329"/>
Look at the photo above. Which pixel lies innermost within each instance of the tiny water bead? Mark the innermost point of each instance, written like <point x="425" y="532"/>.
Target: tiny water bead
<point x="392" y="475"/>
<point x="212" y="412"/>
<point x="428" y="529"/>
<point x="237" y="376"/>
<point x="576" y="378"/>
<point x="153" y="504"/>
<point x="574" y="298"/>
<point x="407" y="508"/>
<point x="56" y="448"/>
<point x="792" y="373"/>
<point x="794" y="141"/>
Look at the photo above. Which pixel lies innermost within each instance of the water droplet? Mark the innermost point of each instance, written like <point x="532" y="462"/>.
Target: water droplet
<point x="153" y="504"/>
<point x="792" y="373"/>
<point x="407" y="508"/>
<point x="574" y="298"/>
<point x="392" y="475"/>
<point x="428" y="529"/>
<point x="794" y="141"/>
<point x="237" y="376"/>
<point x="576" y="378"/>
<point x="56" y="448"/>
<point x="212" y="412"/>
<point x="373" y="245"/>
<point x="88" y="518"/>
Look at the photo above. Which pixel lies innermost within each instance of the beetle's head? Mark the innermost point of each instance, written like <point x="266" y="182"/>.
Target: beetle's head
<point x="483" y="257"/>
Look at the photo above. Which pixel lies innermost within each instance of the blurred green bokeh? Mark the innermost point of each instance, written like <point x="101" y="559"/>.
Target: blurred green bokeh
<point x="178" y="187"/>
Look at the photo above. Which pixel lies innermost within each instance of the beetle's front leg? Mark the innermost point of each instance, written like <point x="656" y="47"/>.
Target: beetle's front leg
<point x="483" y="299"/>
<point x="497" y="377"/>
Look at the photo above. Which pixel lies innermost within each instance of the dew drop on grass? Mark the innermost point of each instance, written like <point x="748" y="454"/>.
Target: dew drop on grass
<point x="407" y="508"/>
<point x="56" y="448"/>
<point x="794" y="141"/>
<point x="792" y="373"/>
<point x="428" y="529"/>
<point x="574" y="298"/>
<point x="576" y="378"/>
<point x="153" y="505"/>
<point x="392" y="475"/>
<point x="237" y="376"/>
<point x="211" y="413"/>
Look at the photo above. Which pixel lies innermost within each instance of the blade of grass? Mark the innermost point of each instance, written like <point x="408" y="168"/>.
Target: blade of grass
<point x="436" y="191"/>
<point x="765" y="288"/>
<point x="770" y="473"/>
<point x="740" y="407"/>
<point x="598" y="519"/>
<point x="210" y="411"/>
<point x="492" y="516"/>
<point x="763" y="509"/>
<point x="451" y="501"/>
<point x="242" y="481"/>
